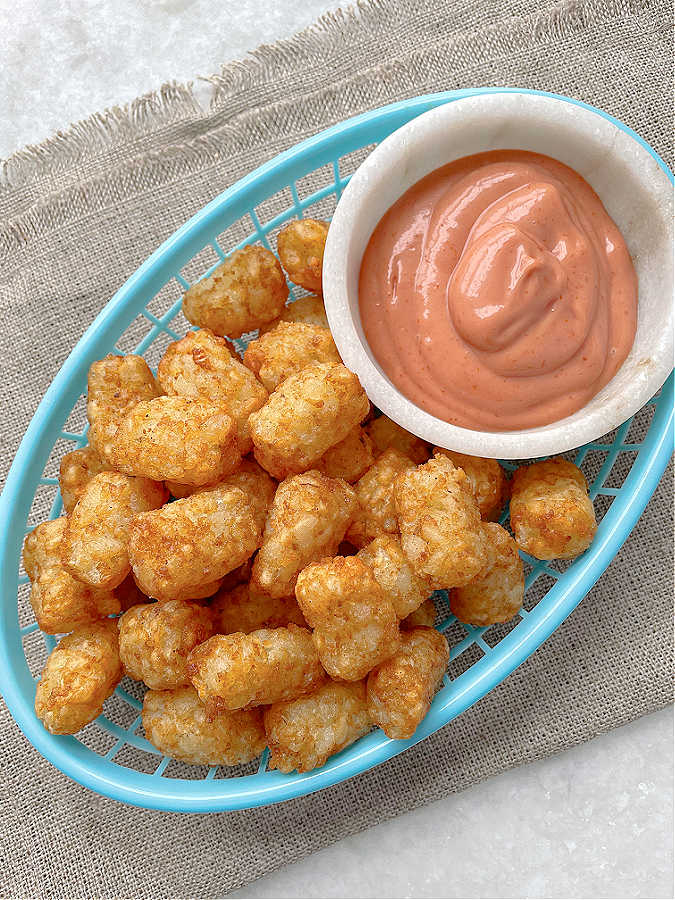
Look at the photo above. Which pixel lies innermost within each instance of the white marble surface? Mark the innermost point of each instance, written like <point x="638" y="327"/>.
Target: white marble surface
<point x="593" y="822"/>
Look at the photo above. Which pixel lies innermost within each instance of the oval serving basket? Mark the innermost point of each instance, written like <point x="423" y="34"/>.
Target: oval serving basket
<point x="111" y="755"/>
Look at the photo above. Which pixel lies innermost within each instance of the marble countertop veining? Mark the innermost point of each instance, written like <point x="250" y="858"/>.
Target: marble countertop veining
<point x="596" y="821"/>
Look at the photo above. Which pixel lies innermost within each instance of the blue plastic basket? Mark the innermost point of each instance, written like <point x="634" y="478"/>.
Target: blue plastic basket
<point x="111" y="756"/>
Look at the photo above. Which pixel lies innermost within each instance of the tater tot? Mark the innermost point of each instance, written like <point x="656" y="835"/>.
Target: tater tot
<point x="400" y="690"/>
<point x="237" y="671"/>
<point x="176" y="439"/>
<point x="384" y="433"/>
<point x="81" y="672"/>
<point x="300" y="245"/>
<point x="201" y="366"/>
<point x="251" y="478"/>
<point x="177" y="723"/>
<point x="303" y="733"/>
<point x="94" y="548"/>
<point x="497" y="593"/>
<point x="156" y="638"/>
<point x="308" y="413"/>
<point x="397" y="578"/>
<point x="309" y="310"/>
<point x="376" y="513"/>
<point x="552" y="516"/>
<point x="349" y="459"/>
<point x="245" y="291"/>
<point x="355" y="624"/>
<point x="287" y="349"/>
<point x="441" y="530"/>
<point x="307" y="520"/>
<point x="59" y="601"/>
<point x="114" y="386"/>
<point x="245" y="609"/>
<point x="75" y="472"/>
<point x="192" y="542"/>
<point x="240" y="575"/>
<point x="423" y="615"/>
<point x="487" y="480"/>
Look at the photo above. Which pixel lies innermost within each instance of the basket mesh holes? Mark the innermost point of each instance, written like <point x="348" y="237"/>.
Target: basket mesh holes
<point x="134" y="758"/>
<point x="309" y="184"/>
<point x="601" y="504"/>
<point x="464" y="661"/>
<point x="25" y="610"/>
<point x="322" y="208"/>
<point x="200" y="265"/>
<point x="620" y="469"/>
<point x="44" y="497"/>
<point x="239" y="232"/>
<point x="135" y="689"/>
<point x="185" y="771"/>
<point x="454" y="632"/>
<point x="129" y="341"/>
<point x="592" y="463"/>
<point x="238" y="771"/>
<point x="640" y="425"/>
<point x="36" y="652"/>
<point x="165" y="299"/>
<point x="538" y="590"/>
<point x="498" y="632"/>
<point x="96" y="738"/>
<point x="119" y="712"/>
<point x="76" y="423"/>
<point x="349" y="163"/>
<point x="277" y="205"/>
<point x="180" y="325"/>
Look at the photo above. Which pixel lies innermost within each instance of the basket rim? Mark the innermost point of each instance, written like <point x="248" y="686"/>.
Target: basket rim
<point x="126" y="785"/>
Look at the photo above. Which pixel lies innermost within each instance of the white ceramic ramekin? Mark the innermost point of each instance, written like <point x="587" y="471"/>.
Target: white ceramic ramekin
<point x="635" y="190"/>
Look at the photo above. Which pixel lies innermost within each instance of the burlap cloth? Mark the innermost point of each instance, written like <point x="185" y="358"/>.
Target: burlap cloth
<point x="77" y="216"/>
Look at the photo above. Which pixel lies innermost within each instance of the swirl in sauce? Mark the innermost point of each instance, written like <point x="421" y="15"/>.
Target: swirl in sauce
<point x="497" y="293"/>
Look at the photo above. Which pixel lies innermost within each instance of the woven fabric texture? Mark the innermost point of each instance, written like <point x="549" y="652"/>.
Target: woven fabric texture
<point x="79" y="213"/>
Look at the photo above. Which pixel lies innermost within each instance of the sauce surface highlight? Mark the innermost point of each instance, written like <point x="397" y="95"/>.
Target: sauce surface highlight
<point x="497" y="293"/>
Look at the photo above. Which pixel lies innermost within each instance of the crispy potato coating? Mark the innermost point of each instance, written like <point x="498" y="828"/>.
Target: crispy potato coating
<point x="177" y="723"/>
<point x="487" y="480"/>
<point x="156" y="638"/>
<point x="303" y="733"/>
<point x="94" y="548"/>
<point x="59" y="601"/>
<point x="201" y="366"/>
<point x="497" y="593"/>
<point x="81" y="672"/>
<point x="355" y="624"/>
<point x="307" y="520"/>
<point x="423" y="615"/>
<point x="192" y="542"/>
<point x="552" y="516"/>
<point x="287" y="349"/>
<point x="308" y="413"/>
<point x="300" y="246"/>
<point x="309" y="310"/>
<point x="384" y="433"/>
<point x="114" y="386"/>
<point x="176" y="439"/>
<point x="76" y="471"/>
<point x="401" y="689"/>
<point x="441" y="529"/>
<point x="245" y="609"/>
<point x="397" y="578"/>
<point x="376" y="513"/>
<point x="201" y="591"/>
<point x="245" y="291"/>
<point x="350" y="459"/>
<point x="238" y="671"/>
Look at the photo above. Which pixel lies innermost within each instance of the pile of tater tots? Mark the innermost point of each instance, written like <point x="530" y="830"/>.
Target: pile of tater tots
<point x="248" y="540"/>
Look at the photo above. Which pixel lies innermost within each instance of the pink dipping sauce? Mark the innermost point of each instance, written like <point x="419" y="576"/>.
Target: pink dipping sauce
<point x="497" y="293"/>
